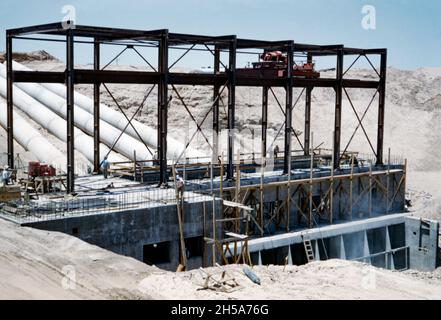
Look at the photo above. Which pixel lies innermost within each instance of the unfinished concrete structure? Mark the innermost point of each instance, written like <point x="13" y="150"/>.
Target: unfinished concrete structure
<point x="235" y="214"/>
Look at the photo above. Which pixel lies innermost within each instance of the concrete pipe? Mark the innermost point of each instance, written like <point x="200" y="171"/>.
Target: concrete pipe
<point x="125" y="145"/>
<point x="32" y="140"/>
<point x="115" y="118"/>
<point x="55" y="124"/>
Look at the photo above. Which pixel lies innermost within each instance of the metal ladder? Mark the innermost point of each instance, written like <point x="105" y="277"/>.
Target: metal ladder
<point x="308" y="249"/>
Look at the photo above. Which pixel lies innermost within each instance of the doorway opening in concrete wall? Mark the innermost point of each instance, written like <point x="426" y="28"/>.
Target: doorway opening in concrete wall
<point x="75" y="232"/>
<point x="194" y="247"/>
<point x="157" y="253"/>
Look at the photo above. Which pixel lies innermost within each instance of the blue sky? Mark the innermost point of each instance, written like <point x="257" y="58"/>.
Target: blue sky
<point x="410" y="29"/>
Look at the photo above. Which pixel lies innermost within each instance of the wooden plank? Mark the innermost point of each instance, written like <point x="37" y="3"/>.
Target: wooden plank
<point x="237" y="205"/>
<point x="236" y="235"/>
<point x="181" y="227"/>
<point x="316" y="180"/>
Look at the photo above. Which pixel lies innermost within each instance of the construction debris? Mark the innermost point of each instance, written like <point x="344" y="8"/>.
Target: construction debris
<point x="219" y="281"/>
<point x="251" y="275"/>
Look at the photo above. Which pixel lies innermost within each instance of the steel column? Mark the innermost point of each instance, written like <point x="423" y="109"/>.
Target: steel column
<point x="308" y="94"/>
<point x="231" y="107"/>
<point x="338" y="107"/>
<point x="96" y="110"/>
<point x="70" y="81"/>
<point x="10" y="101"/>
<point x="288" y="108"/>
<point x="264" y="120"/>
<point x="216" y="90"/>
<point x="381" y="105"/>
<point x="162" y="108"/>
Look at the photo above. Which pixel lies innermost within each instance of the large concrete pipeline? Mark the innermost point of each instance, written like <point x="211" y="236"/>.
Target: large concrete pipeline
<point x="55" y="124"/>
<point x="125" y="145"/>
<point x="117" y="119"/>
<point x="32" y="140"/>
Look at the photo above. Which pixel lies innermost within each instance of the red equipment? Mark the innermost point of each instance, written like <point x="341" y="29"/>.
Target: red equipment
<point x="274" y="64"/>
<point x="34" y="169"/>
<point x="37" y="169"/>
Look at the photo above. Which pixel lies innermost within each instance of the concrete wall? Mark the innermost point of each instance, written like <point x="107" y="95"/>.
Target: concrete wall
<point x="393" y="242"/>
<point x="422" y="239"/>
<point x="127" y="232"/>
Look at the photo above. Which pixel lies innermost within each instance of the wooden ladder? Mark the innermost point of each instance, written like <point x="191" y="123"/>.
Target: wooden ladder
<point x="308" y="249"/>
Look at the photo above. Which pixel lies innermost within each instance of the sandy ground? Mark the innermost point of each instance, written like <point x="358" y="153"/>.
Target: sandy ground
<point x="38" y="264"/>
<point x="328" y="280"/>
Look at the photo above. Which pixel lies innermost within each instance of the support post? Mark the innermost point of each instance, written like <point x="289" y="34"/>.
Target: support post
<point x="231" y="106"/>
<point x="338" y="107"/>
<point x="308" y="93"/>
<point x="10" y="101"/>
<point x="311" y="181"/>
<point x="381" y="105"/>
<point x="162" y="108"/>
<point x="288" y="108"/>
<point x="96" y="109"/>
<point x="263" y="153"/>
<point x="264" y="120"/>
<point x="331" y="195"/>
<point x="70" y="111"/>
<point x="216" y="99"/>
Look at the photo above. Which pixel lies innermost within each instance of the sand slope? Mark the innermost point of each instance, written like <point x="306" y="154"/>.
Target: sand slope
<point x="328" y="280"/>
<point x="33" y="265"/>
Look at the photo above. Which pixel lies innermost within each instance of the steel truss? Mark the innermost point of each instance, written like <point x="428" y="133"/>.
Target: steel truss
<point x="162" y="76"/>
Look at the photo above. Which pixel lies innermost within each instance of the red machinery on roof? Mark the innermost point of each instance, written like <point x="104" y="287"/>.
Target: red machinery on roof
<point x="274" y="64"/>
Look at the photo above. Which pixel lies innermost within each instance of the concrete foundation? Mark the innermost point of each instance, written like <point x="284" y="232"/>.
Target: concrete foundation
<point x="395" y="242"/>
<point x="141" y="221"/>
<point x="149" y="234"/>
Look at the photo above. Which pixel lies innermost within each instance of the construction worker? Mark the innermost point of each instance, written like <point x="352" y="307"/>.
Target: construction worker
<point x="180" y="186"/>
<point x="276" y="151"/>
<point x="105" y="165"/>
<point x="155" y="158"/>
<point x="6" y="176"/>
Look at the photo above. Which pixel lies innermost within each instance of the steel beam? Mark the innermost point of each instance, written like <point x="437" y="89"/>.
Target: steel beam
<point x="338" y="107"/>
<point x="10" y="101"/>
<point x="43" y="28"/>
<point x="216" y="89"/>
<point x="138" y="77"/>
<point x="39" y="77"/>
<point x="112" y="76"/>
<point x="381" y="106"/>
<point x="288" y="109"/>
<point x="96" y="110"/>
<point x="70" y="81"/>
<point x="162" y="107"/>
<point x="264" y="119"/>
<point x="231" y="106"/>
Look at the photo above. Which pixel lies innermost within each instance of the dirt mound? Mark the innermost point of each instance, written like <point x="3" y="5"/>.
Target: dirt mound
<point x="324" y="280"/>
<point x="38" y="264"/>
<point x="29" y="56"/>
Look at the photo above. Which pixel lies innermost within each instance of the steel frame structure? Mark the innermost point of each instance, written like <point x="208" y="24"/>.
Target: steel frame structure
<point x="163" y="78"/>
